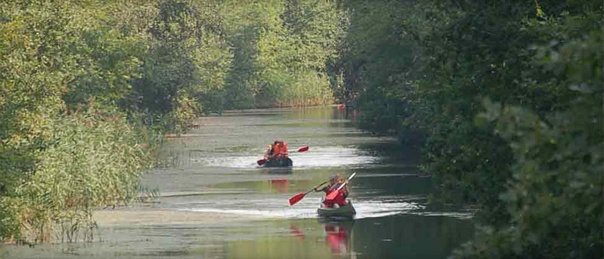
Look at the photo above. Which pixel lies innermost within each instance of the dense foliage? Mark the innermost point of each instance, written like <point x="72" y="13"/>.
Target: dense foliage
<point x="86" y="86"/>
<point x="280" y="52"/>
<point x="507" y="96"/>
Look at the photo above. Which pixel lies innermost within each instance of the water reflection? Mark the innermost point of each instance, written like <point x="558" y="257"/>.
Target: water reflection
<point x="277" y="170"/>
<point x="337" y="236"/>
<point x="402" y="236"/>
<point x="279" y="185"/>
<point x="297" y="232"/>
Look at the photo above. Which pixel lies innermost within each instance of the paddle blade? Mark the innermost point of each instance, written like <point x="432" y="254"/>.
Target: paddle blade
<point x="296" y="198"/>
<point x="261" y="161"/>
<point x="303" y="149"/>
<point x="332" y="195"/>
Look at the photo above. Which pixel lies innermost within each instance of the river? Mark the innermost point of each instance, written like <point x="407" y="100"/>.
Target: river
<point x="215" y="202"/>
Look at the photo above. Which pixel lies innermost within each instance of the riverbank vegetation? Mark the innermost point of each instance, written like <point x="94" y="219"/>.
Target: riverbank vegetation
<point x="506" y="97"/>
<point x="87" y="89"/>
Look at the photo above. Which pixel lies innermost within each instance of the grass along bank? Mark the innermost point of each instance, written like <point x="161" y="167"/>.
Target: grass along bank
<point x="86" y="160"/>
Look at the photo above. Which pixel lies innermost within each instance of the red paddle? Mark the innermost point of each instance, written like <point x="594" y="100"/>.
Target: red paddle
<point x="332" y="195"/>
<point x="303" y="149"/>
<point x="263" y="161"/>
<point x="296" y="198"/>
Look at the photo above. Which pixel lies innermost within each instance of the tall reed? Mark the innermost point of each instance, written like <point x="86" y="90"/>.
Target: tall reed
<point x="92" y="160"/>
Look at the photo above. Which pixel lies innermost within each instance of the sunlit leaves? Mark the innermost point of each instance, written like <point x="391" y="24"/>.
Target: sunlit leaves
<point x="53" y="56"/>
<point x="281" y="51"/>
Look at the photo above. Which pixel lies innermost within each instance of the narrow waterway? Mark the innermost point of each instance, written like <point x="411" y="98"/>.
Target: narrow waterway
<point x="215" y="202"/>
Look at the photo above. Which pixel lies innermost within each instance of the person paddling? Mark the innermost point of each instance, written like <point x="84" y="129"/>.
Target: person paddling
<point x="329" y="187"/>
<point x="277" y="150"/>
<point x="334" y="184"/>
<point x="269" y="152"/>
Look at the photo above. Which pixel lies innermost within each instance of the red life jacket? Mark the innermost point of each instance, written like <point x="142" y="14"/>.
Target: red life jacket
<point x="283" y="150"/>
<point x="340" y="199"/>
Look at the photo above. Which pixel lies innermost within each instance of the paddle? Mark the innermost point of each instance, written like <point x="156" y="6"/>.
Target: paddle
<point x="263" y="161"/>
<point x="296" y="198"/>
<point x="332" y="195"/>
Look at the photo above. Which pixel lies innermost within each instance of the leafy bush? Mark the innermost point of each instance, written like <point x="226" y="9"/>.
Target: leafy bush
<point x="533" y="160"/>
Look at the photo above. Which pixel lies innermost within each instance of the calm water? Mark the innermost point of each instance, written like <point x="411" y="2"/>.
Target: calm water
<point x="213" y="169"/>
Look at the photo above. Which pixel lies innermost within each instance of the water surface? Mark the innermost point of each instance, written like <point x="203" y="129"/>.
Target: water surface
<point x="212" y="170"/>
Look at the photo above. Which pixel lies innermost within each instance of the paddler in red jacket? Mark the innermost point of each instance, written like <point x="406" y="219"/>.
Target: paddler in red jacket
<point x="279" y="150"/>
<point x="334" y="184"/>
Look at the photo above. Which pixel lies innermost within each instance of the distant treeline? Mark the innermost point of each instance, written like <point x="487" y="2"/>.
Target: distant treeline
<point x="87" y="88"/>
<point x="506" y="99"/>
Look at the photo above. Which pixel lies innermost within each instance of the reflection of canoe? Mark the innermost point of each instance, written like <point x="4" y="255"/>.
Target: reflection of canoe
<point x="277" y="170"/>
<point x="279" y="162"/>
<point x="346" y="211"/>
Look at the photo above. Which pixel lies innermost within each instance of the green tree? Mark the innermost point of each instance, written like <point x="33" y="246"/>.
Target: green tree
<point x="555" y="195"/>
<point x="280" y="52"/>
<point x="53" y="61"/>
<point x="422" y="68"/>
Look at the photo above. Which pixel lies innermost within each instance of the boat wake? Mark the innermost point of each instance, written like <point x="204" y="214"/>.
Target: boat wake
<point x="308" y="209"/>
